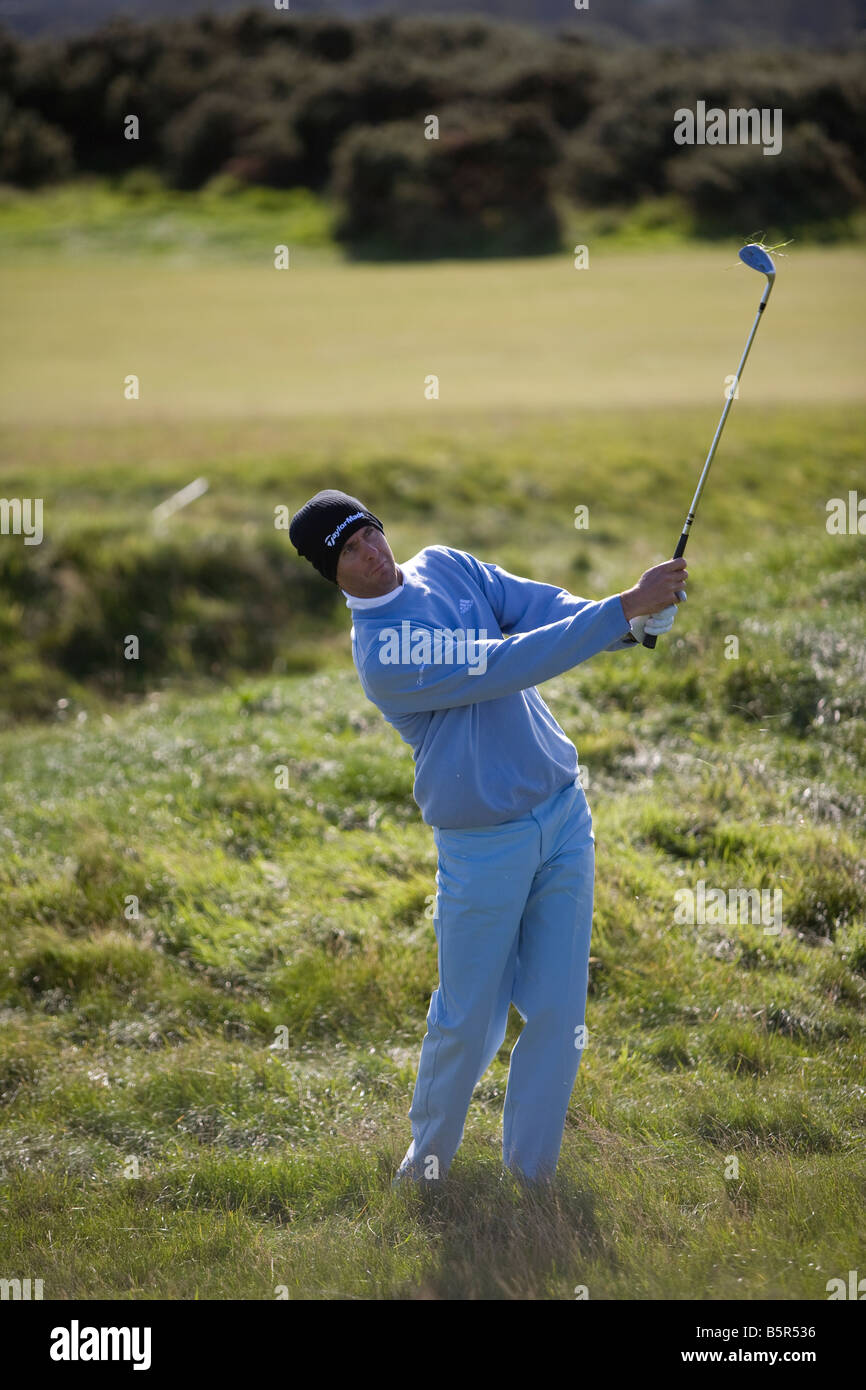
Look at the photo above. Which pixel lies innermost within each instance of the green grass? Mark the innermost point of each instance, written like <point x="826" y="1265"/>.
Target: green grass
<point x="168" y="914"/>
<point x="219" y="591"/>
<point x="138" y="217"/>
<point x="230" y="342"/>
<point x="151" y="1039"/>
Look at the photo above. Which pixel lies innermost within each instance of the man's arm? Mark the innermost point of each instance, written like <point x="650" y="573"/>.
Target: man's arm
<point x="523" y="604"/>
<point x="520" y="603"/>
<point x="490" y="668"/>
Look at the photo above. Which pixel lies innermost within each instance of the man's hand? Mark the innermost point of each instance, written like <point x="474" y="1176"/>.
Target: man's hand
<point x="657" y="624"/>
<point x="658" y="588"/>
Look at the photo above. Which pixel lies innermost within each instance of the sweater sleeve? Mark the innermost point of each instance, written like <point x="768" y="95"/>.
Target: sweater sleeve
<point x="523" y="604"/>
<point x="488" y="669"/>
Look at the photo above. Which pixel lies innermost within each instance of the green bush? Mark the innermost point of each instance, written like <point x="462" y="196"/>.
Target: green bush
<point x="273" y="98"/>
<point x="370" y="92"/>
<point x="271" y="155"/>
<point x="32" y="152"/>
<point x="481" y="188"/>
<point x="201" y="139"/>
<point x="208" y="602"/>
<point x="812" y="179"/>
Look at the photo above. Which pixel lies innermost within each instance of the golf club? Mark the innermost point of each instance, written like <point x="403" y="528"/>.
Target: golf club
<point x="756" y="258"/>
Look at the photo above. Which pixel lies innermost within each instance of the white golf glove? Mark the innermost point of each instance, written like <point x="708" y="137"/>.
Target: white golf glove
<point x="654" y="623"/>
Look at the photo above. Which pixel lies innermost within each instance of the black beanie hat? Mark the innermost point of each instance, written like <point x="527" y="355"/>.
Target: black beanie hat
<point x="323" y="525"/>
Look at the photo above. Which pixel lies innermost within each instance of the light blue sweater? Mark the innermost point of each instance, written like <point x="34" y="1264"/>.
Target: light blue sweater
<point x="486" y="747"/>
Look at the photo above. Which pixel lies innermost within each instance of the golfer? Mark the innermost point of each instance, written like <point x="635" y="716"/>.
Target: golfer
<point x="450" y="649"/>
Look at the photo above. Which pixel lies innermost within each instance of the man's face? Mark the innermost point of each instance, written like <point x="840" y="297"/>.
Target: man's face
<point x="366" y="567"/>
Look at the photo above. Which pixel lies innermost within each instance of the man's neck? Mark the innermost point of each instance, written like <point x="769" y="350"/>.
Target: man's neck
<point x="365" y="599"/>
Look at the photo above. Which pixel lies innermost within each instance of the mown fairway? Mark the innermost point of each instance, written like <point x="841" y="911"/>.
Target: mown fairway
<point x="146" y="1044"/>
<point x="230" y="342"/>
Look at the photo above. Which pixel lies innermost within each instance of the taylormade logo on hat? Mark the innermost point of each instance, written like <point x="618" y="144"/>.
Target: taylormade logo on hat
<point x="329" y="540"/>
<point x="323" y="525"/>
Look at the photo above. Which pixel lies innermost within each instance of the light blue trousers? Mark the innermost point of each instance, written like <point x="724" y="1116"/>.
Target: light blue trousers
<point x="513" y="923"/>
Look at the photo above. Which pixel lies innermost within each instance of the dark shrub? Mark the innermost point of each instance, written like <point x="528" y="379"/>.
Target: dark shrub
<point x="732" y="187"/>
<point x="369" y="92"/>
<point x="272" y="155"/>
<point x="201" y="139"/>
<point x="32" y="152"/>
<point x="563" y="82"/>
<point x="480" y="189"/>
<point x="618" y="155"/>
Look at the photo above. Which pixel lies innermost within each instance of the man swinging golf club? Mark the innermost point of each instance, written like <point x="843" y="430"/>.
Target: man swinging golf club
<point x="450" y="650"/>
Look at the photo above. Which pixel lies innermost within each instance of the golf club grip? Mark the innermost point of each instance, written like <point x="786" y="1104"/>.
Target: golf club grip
<point x="650" y="639"/>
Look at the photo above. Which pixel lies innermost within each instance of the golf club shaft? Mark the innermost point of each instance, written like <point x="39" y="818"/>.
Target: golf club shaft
<point x="649" y="639"/>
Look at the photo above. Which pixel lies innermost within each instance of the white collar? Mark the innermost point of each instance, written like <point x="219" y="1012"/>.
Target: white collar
<point x="353" y="601"/>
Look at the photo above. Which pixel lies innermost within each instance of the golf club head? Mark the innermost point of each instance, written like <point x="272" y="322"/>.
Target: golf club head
<point x="756" y="258"/>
